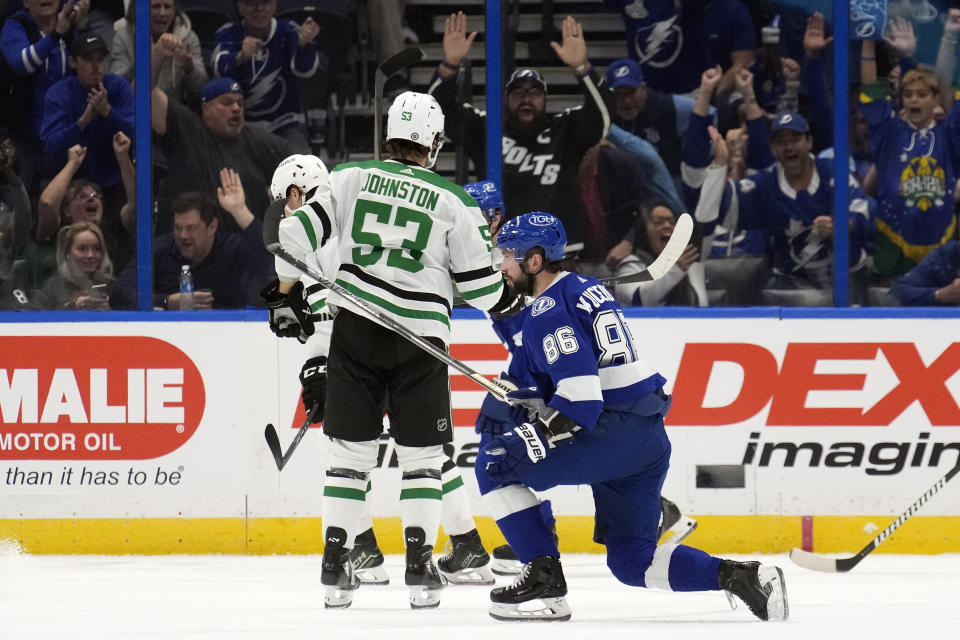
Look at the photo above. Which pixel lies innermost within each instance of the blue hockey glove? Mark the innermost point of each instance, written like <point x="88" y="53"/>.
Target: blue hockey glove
<point x="530" y="399"/>
<point x="514" y="452"/>
<point x="497" y="416"/>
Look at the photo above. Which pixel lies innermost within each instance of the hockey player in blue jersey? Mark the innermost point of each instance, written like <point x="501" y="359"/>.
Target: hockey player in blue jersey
<point x="600" y="423"/>
<point x="495" y="417"/>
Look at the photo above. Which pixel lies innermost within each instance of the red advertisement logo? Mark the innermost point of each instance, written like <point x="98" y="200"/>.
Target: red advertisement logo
<point x="785" y="386"/>
<point x="103" y="398"/>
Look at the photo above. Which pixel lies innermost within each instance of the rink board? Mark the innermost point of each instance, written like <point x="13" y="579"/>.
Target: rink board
<point x="147" y="437"/>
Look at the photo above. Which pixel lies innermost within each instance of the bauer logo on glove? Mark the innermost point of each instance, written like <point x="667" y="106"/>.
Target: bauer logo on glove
<point x="535" y="449"/>
<point x="515" y="452"/>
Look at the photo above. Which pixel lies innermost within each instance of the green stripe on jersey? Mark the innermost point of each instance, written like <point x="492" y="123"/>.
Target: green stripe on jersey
<point x="304" y="219"/>
<point x="456" y="483"/>
<point x="345" y="493"/>
<point x="482" y="291"/>
<point x="394" y="309"/>
<point x="422" y="493"/>
<point x="417" y="172"/>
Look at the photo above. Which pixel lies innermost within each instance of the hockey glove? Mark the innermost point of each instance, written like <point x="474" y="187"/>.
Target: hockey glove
<point x="530" y="399"/>
<point x="289" y="314"/>
<point x="497" y="416"/>
<point x="510" y="304"/>
<point x="313" y="379"/>
<point x="515" y="452"/>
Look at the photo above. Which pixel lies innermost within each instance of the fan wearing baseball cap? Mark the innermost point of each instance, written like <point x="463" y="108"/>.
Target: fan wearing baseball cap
<point x="657" y="117"/>
<point x="197" y="148"/>
<point x="87" y="109"/>
<point x="791" y="196"/>
<point x="541" y="152"/>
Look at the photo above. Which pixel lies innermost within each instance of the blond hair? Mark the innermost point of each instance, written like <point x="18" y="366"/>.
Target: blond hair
<point x="921" y="74"/>
<point x="66" y="266"/>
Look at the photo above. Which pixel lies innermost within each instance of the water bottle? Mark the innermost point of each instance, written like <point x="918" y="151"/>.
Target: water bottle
<point x="186" y="288"/>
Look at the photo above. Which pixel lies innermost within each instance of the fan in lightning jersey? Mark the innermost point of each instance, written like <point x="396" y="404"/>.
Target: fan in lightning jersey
<point x="602" y="425"/>
<point x="800" y="220"/>
<point x="400" y="229"/>
<point x="541" y="152"/>
<point x="270" y="70"/>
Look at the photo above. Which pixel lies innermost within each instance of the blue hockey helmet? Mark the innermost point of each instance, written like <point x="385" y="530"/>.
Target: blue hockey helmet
<point x="488" y="197"/>
<point x="534" y="229"/>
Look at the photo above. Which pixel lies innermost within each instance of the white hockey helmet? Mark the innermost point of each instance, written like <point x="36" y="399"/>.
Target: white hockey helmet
<point x="306" y="172"/>
<point x="418" y="118"/>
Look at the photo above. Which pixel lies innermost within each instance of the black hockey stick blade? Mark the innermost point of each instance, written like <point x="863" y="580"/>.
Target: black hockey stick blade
<point x="817" y="562"/>
<point x="273" y="441"/>
<point x="394" y="64"/>
<point x="400" y="61"/>
<point x="678" y="241"/>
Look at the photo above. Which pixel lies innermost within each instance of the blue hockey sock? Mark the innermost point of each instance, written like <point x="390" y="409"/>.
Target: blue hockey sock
<point x="528" y="535"/>
<point x="672" y="567"/>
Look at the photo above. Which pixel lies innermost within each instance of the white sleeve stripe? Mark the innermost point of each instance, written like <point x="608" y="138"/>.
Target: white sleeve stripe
<point x="732" y="216"/>
<point x="693" y="177"/>
<point x="581" y="389"/>
<point x="217" y="54"/>
<point x="657" y="575"/>
<point x="601" y="105"/>
<point x="27" y="56"/>
<point x="504" y="501"/>
<point x="708" y="206"/>
<point x="624" y="375"/>
<point x="304" y="74"/>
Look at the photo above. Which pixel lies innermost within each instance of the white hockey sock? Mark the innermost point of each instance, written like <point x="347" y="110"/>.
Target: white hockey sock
<point x="456" y="517"/>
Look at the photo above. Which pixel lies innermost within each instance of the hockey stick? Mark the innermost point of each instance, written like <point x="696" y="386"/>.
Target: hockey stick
<point x="273" y="440"/>
<point x="816" y="562"/>
<point x="394" y="64"/>
<point x="678" y="241"/>
<point x="390" y="323"/>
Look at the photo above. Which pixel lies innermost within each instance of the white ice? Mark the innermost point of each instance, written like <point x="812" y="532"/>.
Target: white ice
<point x="254" y="597"/>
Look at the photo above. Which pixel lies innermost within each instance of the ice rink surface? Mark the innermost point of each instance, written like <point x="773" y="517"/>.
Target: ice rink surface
<point x="252" y="597"/>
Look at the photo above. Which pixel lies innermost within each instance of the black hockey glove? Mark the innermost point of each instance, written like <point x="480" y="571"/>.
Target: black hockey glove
<point x="313" y="379"/>
<point x="508" y="305"/>
<point x="289" y="314"/>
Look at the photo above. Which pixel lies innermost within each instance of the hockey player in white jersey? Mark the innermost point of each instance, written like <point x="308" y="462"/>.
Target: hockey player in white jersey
<point x="400" y="229"/>
<point x="600" y="423"/>
<point x="298" y="179"/>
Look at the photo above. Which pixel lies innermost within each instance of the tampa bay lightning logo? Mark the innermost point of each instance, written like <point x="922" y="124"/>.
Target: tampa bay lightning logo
<point x="659" y="44"/>
<point x="542" y="305"/>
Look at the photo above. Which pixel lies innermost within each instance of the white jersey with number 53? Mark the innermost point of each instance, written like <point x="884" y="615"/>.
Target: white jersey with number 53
<point x="401" y="230"/>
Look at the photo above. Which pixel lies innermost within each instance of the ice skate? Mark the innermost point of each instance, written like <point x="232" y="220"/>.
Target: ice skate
<point x="673" y="524"/>
<point x="422" y="577"/>
<point x="761" y="587"/>
<point x="337" y="571"/>
<point x="536" y="595"/>
<point x="466" y="562"/>
<point x="505" y="562"/>
<point x="367" y="560"/>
